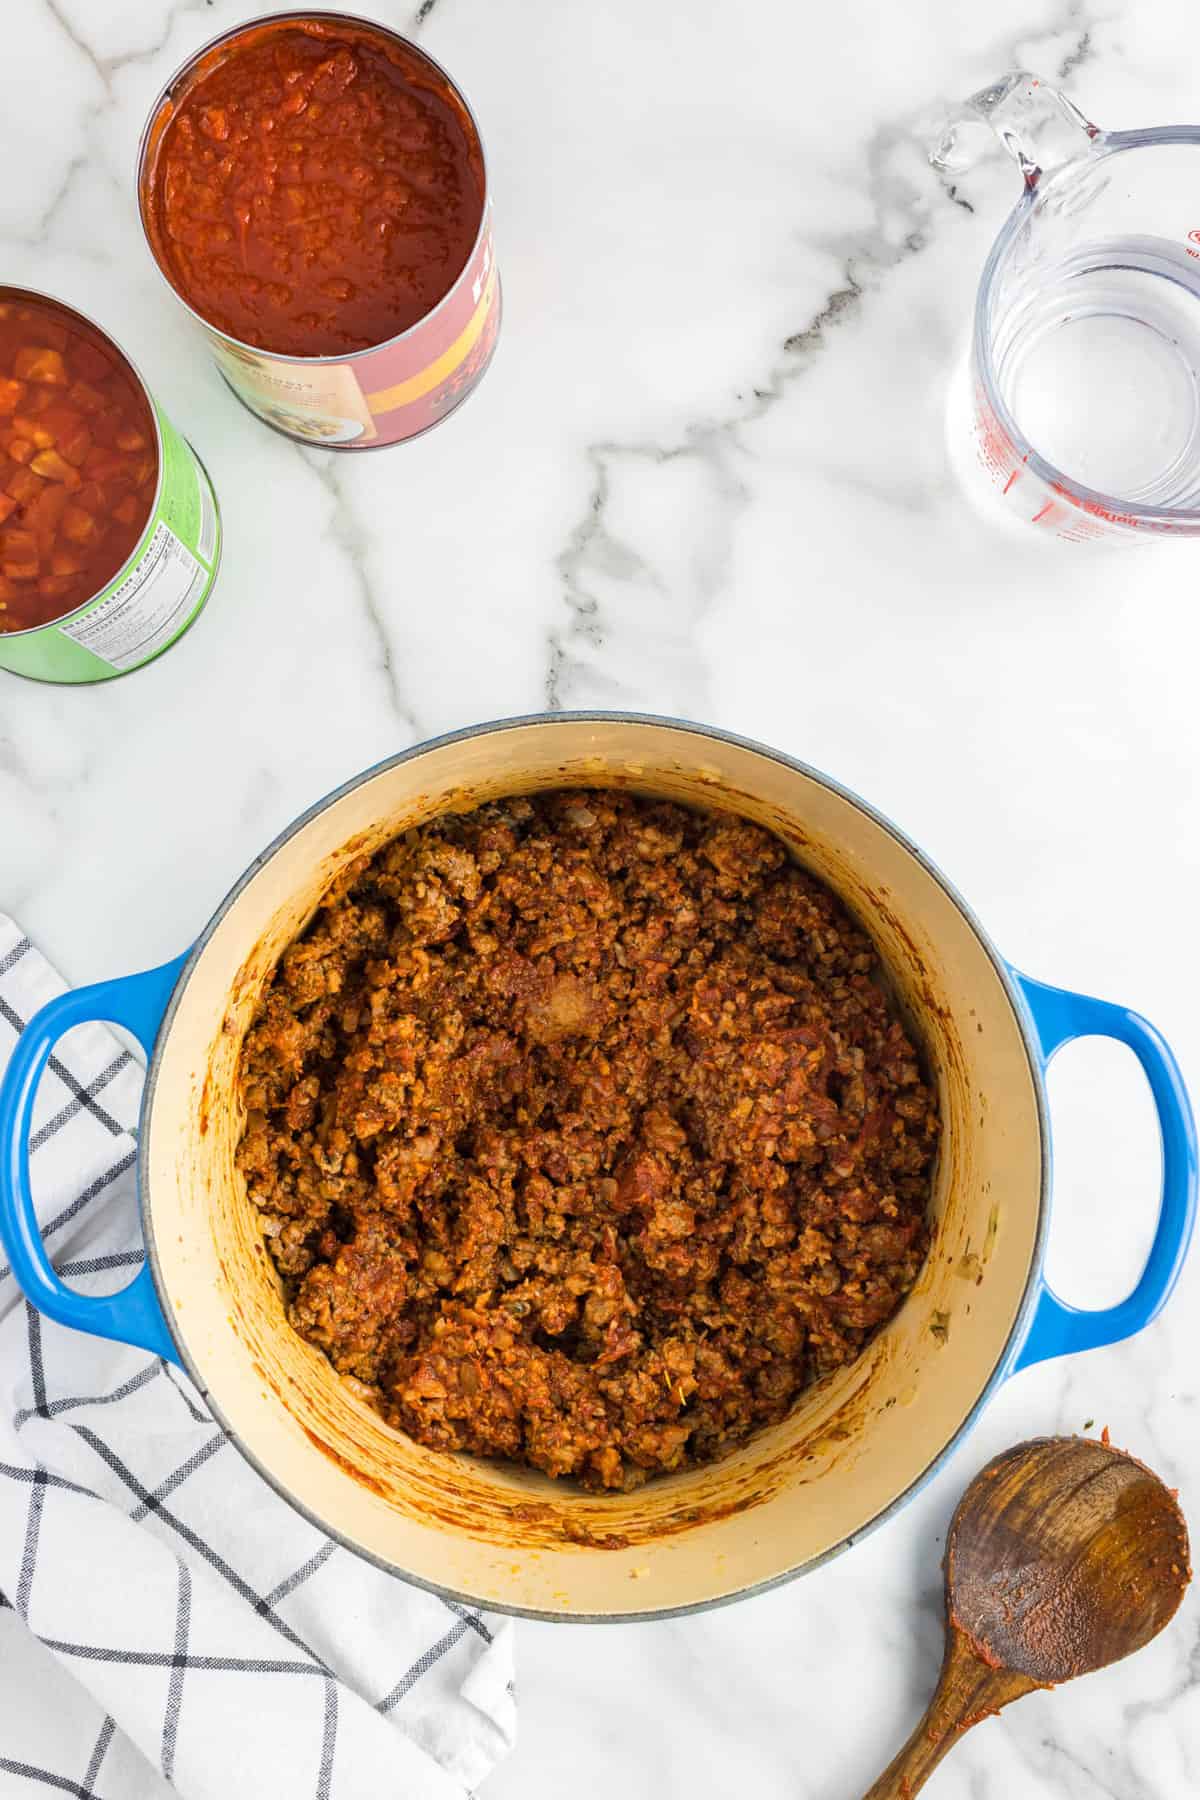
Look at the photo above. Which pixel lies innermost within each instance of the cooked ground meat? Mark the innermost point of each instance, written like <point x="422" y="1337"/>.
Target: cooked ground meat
<point x="584" y="1134"/>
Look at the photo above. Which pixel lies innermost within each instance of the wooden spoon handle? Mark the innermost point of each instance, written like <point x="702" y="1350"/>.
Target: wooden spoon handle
<point x="968" y="1690"/>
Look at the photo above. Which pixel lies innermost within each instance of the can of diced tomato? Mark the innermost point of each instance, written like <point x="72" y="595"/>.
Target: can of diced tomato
<point x="313" y="188"/>
<point x="109" y="530"/>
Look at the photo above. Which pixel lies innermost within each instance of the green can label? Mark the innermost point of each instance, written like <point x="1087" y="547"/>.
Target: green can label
<point x="153" y="599"/>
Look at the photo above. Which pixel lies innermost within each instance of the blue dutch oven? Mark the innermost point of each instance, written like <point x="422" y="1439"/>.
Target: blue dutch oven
<point x="856" y="1446"/>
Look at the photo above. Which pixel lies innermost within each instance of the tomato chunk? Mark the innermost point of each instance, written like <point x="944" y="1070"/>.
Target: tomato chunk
<point x="37" y="363"/>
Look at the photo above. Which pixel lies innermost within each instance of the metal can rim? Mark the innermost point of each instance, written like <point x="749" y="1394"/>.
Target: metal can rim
<point x="122" y="569"/>
<point x="298" y="14"/>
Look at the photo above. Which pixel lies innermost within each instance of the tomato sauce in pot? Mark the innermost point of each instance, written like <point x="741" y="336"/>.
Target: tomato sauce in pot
<point x="78" y="462"/>
<point x="317" y="190"/>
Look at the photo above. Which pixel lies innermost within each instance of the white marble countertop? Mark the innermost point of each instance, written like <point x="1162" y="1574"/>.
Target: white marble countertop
<point x="706" y="476"/>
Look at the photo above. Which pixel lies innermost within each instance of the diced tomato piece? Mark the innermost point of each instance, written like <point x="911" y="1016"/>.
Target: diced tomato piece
<point x="91" y="498"/>
<point x="33" y="429"/>
<point x="11" y="394"/>
<point x="58" y="419"/>
<point x="73" y="441"/>
<point x="76" y="446"/>
<point x="19" y="448"/>
<point x="22" y="485"/>
<point x="55" y="468"/>
<point x="87" y="398"/>
<point x="130" y="510"/>
<point x="39" y="363"/>
<point x="66" y="562"/>
<point x="44" y="514"/>
<point x="101" y="464"/>
<point x="48" y="505"/>
<point x="78" y="525"/>
<point x="55" y="587"/>
<point x="129" y="439"/>
<point x="19" y="555"/>
<point x="105" y="427"/>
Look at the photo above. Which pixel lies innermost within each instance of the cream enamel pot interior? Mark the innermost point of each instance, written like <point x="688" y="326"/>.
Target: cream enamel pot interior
<point x="855" y="1446"/>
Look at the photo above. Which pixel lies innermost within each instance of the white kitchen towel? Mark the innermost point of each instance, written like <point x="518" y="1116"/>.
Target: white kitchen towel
<point x="164" y="1616"/>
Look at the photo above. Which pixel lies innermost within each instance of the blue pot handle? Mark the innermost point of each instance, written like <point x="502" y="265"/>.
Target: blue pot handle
<point x="1056" y="1328"/>
<point x="133" y="1316"/>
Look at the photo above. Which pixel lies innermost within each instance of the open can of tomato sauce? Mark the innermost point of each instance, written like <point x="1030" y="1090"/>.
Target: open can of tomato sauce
<point x="109" y="529"/>
<point x="313" y="187"/>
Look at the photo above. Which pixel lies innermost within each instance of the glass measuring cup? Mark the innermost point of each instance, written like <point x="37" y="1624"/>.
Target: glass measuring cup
<point x="1077" y="406"/>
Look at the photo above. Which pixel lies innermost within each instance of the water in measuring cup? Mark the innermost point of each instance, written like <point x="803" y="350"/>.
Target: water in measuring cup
<point x="1098" y="361"/>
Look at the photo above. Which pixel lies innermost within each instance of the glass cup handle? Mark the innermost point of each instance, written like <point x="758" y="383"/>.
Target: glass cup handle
<point x="1036" y="123"/>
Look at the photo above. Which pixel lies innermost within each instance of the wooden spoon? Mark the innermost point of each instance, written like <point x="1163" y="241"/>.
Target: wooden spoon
<point x="1064" y="1556"/>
